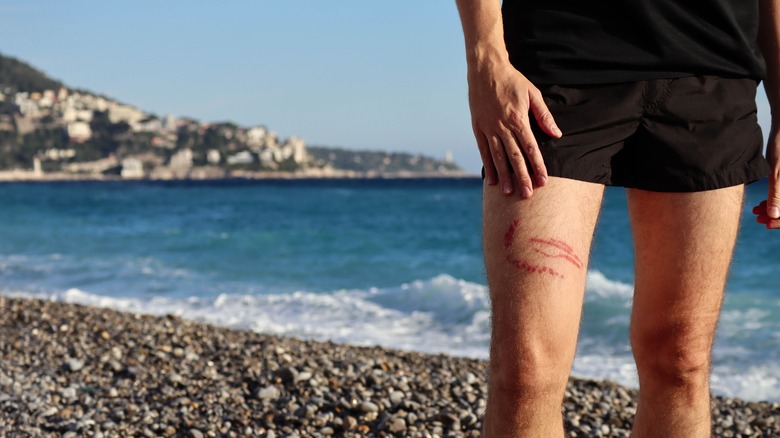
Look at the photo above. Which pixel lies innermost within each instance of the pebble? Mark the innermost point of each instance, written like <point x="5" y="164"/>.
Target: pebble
<point x="398" y="425"/>
<point x="69" y="393"/>
<point x="269" y="392"/>
<point x="151" y="376"/>
<point x="74" y="365"/>
<point x="368" y="406"/>
<point x="396" y="397"/>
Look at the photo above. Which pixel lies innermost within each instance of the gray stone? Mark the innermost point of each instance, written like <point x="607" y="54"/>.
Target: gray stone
<point x="368" y="406"/>
<point x="74" y="364"/>
<point x="398" y="425"/>
<point x="350" y="422"/>
<point x="269" y="392"/>
<point x="302" y="377"/>
<point x="69" y="393"/>
<point x="396" y="397"/>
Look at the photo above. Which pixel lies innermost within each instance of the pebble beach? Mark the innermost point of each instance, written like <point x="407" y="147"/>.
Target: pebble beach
<point x="71" y="370"/>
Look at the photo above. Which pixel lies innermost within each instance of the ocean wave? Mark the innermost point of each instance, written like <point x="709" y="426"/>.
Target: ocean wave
<point x="445" y="315"/>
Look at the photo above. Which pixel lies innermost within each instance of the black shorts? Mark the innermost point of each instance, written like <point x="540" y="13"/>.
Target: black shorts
<point x="671" y="135"/>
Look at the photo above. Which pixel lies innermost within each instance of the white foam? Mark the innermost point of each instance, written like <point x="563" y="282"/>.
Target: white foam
<point x="600" y="287"/>
<point x="445" y="315"/>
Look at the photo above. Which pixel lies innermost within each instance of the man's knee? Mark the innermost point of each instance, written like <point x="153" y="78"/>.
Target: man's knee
<point x="677" y="355"/>
<point x="533" y="370"/>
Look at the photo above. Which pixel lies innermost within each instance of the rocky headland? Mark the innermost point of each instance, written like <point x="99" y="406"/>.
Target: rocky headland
<point x="49" y="131"/>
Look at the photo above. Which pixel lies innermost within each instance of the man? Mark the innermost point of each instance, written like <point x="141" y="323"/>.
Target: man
<point x="657" y="96"/>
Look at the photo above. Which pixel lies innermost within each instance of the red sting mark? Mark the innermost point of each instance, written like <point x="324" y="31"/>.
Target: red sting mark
<point x="565" y="253"/>
<point x="510" y="234"/>
<point x="550" y="248"/>
<point x="529" y="267"/>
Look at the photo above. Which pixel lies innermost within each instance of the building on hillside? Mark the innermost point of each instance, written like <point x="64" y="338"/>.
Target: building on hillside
<point x="27" y="106"/>
<point x="71" y="114"/>
<point x="55" y="154"/>
<point x="169" y="123"/>
<point x="255" y="137"/>
<point x="181" y="160"/>
<point x="79" y="131"/>
<point x="296" y="148"/>
<point x="47" y="99"/>
<point x="213" y="156"/>
<point x="271" y="141"/>
<point x="132" y="168"/>
<point x="123" y="113"/>
<point x="92" y="167"/>
<point x="24" y="124"/>
<point x="148" y="124"/>
<point x="243" y="157"/>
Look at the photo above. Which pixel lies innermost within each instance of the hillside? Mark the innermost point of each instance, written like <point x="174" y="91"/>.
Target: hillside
<point x="20" y="76"/>
<point x="377" y="161"/>
<point x="48" y="130"/>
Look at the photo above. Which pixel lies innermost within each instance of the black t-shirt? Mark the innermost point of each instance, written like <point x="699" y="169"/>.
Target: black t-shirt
<point x="603" y="41"/>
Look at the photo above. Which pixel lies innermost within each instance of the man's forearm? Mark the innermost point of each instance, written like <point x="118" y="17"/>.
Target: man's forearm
<point x="483" y="31"/>
<point x="769" y="42"/>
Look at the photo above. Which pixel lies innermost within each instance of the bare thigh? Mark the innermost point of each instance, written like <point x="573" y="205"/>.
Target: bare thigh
<point x="536" y="255"/>
<point x="683" y="248"/>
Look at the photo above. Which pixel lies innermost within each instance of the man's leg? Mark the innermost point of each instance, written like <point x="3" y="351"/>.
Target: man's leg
<point x="536" y="255"/>
<point x="683" y="248"/>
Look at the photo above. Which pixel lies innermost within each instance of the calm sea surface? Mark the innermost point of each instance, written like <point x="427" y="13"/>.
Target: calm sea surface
<point x="396" y="263"/>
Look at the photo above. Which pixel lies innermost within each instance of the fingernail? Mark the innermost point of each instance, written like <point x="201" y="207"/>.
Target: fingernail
<point x="541" y="180"/>
<point x="508" y="189"/>
<point x="491" y="180"/>
<point x="773" y="212"/>
<point x="526" y="192"/>
<point x="557" y="131"/>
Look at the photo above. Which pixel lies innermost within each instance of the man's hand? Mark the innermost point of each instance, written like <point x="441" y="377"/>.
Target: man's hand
<point x="769" y="41"/>
<point x="769" y="211"/>
<point x="501" y="101"/>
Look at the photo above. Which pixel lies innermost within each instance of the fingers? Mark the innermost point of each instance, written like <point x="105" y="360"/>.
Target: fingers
<point x="762" y="217"/>
<point x="773" y="199"/>
<point x="487" y="159"/>
<point x="771" y="224"/>
<point x="504" y="160"/>
<point x="542" y="114"/>
<point x="518" y="162"/>
<point x="532" y="155"/>
<point x="530" y="147"/>
<point x="502" y="127"/>
<point x="501" y="164"/>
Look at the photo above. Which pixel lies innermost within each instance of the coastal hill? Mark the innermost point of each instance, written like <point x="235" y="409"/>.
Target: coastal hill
<point x="49" y="130"/>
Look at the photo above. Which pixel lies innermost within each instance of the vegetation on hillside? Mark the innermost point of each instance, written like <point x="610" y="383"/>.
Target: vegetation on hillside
<point x="20" y="76"/>
<point x="46" y="126"/>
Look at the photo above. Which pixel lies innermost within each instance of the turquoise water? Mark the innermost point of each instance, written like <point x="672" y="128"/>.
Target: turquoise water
<point x="390" y="262"/>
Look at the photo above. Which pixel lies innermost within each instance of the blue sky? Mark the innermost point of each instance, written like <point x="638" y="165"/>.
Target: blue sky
<point x="356" y="74"/>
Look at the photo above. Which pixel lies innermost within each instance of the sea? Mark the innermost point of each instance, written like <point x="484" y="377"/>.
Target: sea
<point x="395" y="263"/>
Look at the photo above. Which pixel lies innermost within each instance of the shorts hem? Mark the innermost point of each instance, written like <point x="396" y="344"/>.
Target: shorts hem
<point x="684" y="183"/>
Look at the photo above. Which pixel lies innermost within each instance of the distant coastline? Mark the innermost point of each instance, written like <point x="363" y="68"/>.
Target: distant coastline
<point x="50" y="132"/>
<point x="15" y="176"/>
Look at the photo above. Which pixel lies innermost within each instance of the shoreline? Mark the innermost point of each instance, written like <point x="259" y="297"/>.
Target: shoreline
<point x="15" y="176"/>
<point x="72" y="370"/>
